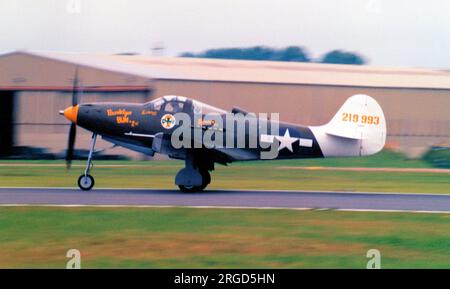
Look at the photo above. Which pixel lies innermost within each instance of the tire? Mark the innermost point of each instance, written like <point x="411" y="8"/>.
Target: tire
<point x="206" y="179"/>
<point x="189" y="189"/>
<point x="86" y="182"/>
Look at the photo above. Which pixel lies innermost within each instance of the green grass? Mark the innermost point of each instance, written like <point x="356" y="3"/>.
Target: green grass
<point x="220" y="238"/>
<point x="275" y="175"/>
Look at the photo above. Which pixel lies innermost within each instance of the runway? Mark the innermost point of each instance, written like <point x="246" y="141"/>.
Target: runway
<point x="228" y="199"/>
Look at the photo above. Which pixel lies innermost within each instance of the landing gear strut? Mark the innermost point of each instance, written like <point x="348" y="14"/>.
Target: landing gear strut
<point x="86" y="181"/>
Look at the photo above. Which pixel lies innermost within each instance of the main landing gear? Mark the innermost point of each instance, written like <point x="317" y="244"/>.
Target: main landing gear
<point x="189" y="188"/>
<point x="86" y="181"/>
<point x="192" y="178"/>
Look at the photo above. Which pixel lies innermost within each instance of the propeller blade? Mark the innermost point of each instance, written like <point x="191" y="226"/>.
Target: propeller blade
<point x="73" y="126"/>
<point x="75" y="88"/>
<point x="71" y="145"/>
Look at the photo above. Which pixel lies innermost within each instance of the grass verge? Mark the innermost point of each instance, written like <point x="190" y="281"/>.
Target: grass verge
<point x="220" y="238"/>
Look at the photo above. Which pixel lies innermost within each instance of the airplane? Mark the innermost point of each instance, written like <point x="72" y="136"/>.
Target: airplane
<point x="357" y="129"/>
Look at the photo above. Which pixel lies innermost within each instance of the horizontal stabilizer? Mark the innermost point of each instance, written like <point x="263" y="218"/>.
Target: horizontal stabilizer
<point x="353" y="135"/>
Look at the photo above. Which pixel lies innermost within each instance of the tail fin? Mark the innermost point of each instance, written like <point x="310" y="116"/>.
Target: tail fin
<point x="358" y="128"/>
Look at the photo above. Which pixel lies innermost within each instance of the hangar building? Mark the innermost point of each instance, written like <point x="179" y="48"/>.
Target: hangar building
<point x="34" y="86"/>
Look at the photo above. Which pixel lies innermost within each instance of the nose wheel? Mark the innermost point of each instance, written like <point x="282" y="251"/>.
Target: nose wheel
<point x="86" y="181"/>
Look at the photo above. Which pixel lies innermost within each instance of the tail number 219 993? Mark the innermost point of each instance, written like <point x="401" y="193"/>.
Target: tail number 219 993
<point x="364" y="119"/>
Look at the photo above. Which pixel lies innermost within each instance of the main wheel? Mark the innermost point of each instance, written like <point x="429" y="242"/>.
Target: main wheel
<point x="86" y="182"/>
<point x="206" y="179"/>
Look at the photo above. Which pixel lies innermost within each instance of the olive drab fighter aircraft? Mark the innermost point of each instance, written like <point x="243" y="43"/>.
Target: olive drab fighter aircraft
<point x="357" y="129"/>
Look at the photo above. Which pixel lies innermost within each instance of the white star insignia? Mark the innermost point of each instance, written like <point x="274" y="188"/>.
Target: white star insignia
<point x="286" y="141"/>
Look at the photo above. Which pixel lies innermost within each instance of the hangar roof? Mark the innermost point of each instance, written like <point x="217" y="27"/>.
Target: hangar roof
<point x="31" y="71"/>
<point x="197" y="69"/>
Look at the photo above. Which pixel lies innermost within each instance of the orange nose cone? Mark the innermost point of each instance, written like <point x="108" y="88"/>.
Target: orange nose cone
<point x="71" y="113"/>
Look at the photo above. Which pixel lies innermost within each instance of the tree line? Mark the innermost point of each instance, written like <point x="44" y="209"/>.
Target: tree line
<point x="290" y="53"/>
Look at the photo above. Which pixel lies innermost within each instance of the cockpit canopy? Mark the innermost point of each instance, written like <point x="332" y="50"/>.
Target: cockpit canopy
<point x="175" y="103"/>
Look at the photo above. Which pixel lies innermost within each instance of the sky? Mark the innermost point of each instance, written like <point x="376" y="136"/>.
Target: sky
<point x="409" y="33"/>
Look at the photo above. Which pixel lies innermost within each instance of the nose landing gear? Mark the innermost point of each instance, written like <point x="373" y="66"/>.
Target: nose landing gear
<point x="86" y="181"/>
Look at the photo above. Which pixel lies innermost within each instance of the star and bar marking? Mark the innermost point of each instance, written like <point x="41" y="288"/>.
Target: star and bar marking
<point x="286" y="141"/>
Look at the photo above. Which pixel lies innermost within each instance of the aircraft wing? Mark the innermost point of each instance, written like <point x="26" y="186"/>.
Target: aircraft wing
<point x="162" y="144"/>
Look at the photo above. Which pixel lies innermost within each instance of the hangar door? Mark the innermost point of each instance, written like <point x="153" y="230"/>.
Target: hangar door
<point x="6" y="122"/>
